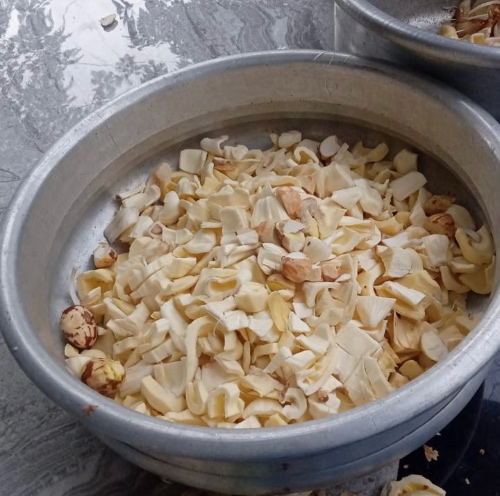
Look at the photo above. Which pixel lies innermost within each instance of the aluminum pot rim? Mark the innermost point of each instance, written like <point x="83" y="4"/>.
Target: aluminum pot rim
<point x="114" y="420"/>
<point x="415" y="39"/>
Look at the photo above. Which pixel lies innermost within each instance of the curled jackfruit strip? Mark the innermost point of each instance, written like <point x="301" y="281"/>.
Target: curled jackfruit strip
<point x="260" y="382"/>
<point x="267" y="207"/>
<point x="397" y="262"/>
<point x="478" y="252"/>
<point x="326" y="406"/>
<point x="252" y="297"/>
<point x="407" y="184"/>
<point x="344" y="240"/>
<point x="405" y="161"/>
<point x="301" y="360"/>
<point x="260" y="323"/>
<point x="268" y="349"/>
<point x="404" y="335"/>
<point x="432" y="345"/>
<point x="412" y="485"/>
<point x="123" y="220"/>
<point x="319" y="340"/>
<point x="196" y="397"/>
<point x="262" y="407"/>
<point x="193" y="330"/>
<point x="313" y="289"/>
<point x="358" y="386"/>
<point x="451" y="336"/>
<point x="367" y="278"/>
<point x="278" y="360"/>
<point x="450" y="282"/>
<point x="202" y="242"/>
<point x="171" y="376"/>
<point x="372" y="237"/>
<point x="462" y="217"/>
<point x="159" y="398"/>
<point x="297" y="325"/>
<point x="217" y="283"/>
<point x="348" y="197"/>
<point x="401" y="293"/>
<point x="91" y="279"/>
<point x="437" y="249"/>
<point x="328" y="215"/>
<point x="184" y="417"/>
<point x="279" y="311"/>
<point x="270" y="257"/>
<point x="225" y="401"/>
<point x="315" y="377"/>
<point x="316" y="250"/>
<point x="481" y="281"/>
<point x="422" y="281"/>
<point x="371" y="200"/>
<point x="295" y="404"/>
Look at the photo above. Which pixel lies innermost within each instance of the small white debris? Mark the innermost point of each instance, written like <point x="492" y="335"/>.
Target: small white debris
<point x="106" y="21"/>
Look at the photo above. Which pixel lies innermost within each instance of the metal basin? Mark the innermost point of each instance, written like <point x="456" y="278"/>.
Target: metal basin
<point x="406" y="33"/>
<point x="58" y="215"/>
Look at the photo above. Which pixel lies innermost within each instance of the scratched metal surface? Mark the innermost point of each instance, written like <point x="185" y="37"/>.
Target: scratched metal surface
<point x="424" y="14"/>
<point x="57" y="64"/>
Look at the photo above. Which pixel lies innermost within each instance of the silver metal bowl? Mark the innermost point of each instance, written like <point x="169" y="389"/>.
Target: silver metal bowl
<point x="58" y="215"/>
<point x="407" y="33"/>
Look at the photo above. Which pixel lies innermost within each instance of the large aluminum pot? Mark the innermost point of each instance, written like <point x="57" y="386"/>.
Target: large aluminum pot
<point x="58" y="215"/>
<point x="406" y="32"/>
